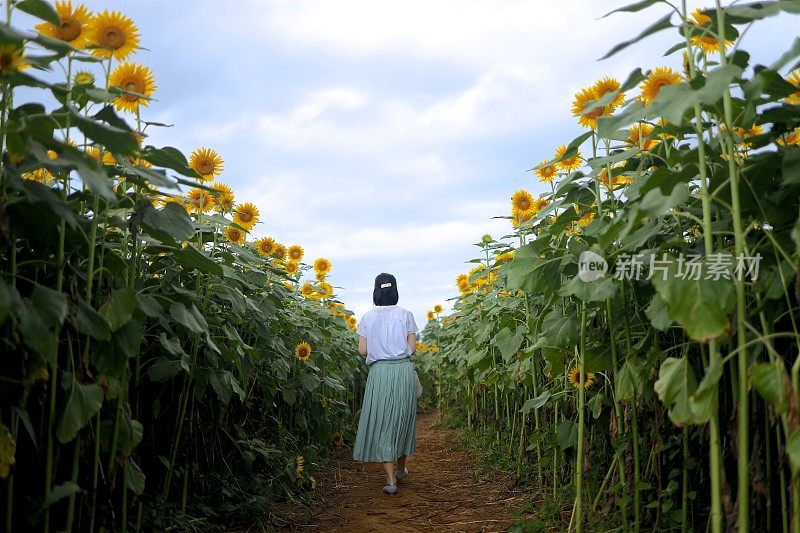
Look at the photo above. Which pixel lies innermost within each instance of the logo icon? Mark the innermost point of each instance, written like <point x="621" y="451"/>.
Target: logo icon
<point x="591" y="266"/>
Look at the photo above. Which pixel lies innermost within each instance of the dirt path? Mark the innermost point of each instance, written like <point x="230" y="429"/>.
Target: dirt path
<point x="446" y="490"/>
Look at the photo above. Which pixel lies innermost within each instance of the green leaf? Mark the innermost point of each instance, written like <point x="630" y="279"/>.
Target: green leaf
<point x="83" y="403"/>
<point x="768" y="380"/>
<point x="792" y="449"/>
<point x="191" y="258"/>
<point x="661" y="24"/>
<point x="630" y="379"/>
<point x="567" y="434"/>
<point x="120" y="141"/>
<point x="593" y="291"/>
<point x="703" y="401"/>
<point x="701" y="306"/>
<point x="658" y="313"/>
<point x="168" y="224"/>
<point x="634" y="7"/>
<point x="8" y="298"/>
<point x="90" y="322"/>
<point x="186" y="317"/>
<point x="135" y="477"/>
<point x="676" y="382"/>
<point x="36" y="334"/>
<point x="59" y="492"/>
<point x="119" y="309"/>
<point x="508" y="341"/>
<point x="535" y="403"/>
<point x="310" y="381"/>
<point x="164" y="369"/>
<point x="41" y="10"/>
<point x="51" y="305"/>
<point x="168" y="157"/>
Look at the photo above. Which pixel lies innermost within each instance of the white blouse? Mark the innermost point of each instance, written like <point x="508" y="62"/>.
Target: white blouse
<point x="386" y="329"/>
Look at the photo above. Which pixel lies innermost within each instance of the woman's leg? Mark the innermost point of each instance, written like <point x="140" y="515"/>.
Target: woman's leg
<point x="389" y="467"/>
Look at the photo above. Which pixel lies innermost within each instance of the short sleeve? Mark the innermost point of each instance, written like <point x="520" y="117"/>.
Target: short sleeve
<point x="362" y="327"/>
<point x="411" y="325"/>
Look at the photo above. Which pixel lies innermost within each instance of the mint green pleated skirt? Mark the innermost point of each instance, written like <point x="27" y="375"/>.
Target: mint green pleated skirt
<point x="387" y="426"/>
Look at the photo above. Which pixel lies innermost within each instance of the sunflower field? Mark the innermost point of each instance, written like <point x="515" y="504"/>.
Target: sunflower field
<point x="632" y="344"/>
<point x="161" y="367"/>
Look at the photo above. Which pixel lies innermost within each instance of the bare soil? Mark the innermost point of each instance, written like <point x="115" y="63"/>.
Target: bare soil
<point x="446" y="490"/>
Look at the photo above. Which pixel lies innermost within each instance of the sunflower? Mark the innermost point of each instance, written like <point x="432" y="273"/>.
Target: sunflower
<point x="519" y="216"/>
<point x="109" y="159"/>
<point x="12" y="58"/>
<point x="299" y="461"/>
<point x="84" y="77"/>
<point x="74" y="26"/>
<point x="199" y="200"/>
<point x="352" y="322"/>
<point x="313" y="482"/>
<point x="539" y="204"/>
<point x="246" y="215"/>
<point x="586" y="117"/>
<point x="280" y="251"/>
<point x="605" y="86"/>
<point x="790" y="139"/>
<point x="307" y="289"/>
<point x="568" y="163"/>
<point x="133" y="78"/>
<point x="420" y="347"/>
<point x="325" y="290"/>
<point x="430" y="316"/>
<point x="617" y="180"/>
<point x="41" y="175"/>
<point x="437" y="308"/>
<point x="699" y="18"/>
<point x="574" y="377"/>
<point x="223" y="200"/>
<point x="303" y="352"/>
<point x="794" y="79"/>
<point x="207" y="163"/>
<point x="657" y="78"/>
<point x="521" y="200"/>
<point x="234" y="235"/>
<point x="640" y="136"/>
<point x="93" y="152"/>
<point x="295" y="252"/>
<point x="115" y="34"/>
<point x="505" y="256"/>
<point x="587" y="218"/>
<point x="338" y="439"/>
<point x="745" y="134"/>
<point x="265" y="246"/>
<point x="546" y="172"/>
<point x="291" y="267"/>
<point x="322" y="265"/>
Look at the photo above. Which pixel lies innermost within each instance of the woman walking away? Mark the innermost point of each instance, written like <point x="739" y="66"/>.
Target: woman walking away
<point x="387" y="426"/>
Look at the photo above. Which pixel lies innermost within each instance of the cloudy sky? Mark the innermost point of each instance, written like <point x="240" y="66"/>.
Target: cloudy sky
<point x="385" y="135"/>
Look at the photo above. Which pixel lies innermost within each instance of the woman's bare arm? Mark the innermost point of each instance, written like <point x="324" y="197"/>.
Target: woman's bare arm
<point x="412" y="342"/>
<point x="362" y="345"/>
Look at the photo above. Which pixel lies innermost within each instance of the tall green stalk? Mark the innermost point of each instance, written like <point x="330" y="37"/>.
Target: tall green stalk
<point x="581" y="424"/>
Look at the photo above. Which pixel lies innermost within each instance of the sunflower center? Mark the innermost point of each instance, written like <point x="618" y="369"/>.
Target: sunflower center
<point x="245" y="216"/>
<point x="70" y="28"/>
<point x="5" y="61"/>
<point x="205" y="166"/>
<point x="594" y="113"/>
<point x="112" y="37"/>
<point x="524" y="204"/>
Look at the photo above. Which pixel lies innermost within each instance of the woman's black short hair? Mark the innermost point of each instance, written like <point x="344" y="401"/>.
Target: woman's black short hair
<point x="385" y="292"/>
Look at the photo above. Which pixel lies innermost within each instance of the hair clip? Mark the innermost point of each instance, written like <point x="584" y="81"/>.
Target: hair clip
<point x="384" y="285"/>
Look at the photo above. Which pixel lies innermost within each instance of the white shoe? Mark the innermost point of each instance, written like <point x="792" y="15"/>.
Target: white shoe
<point x="390" y="488"/>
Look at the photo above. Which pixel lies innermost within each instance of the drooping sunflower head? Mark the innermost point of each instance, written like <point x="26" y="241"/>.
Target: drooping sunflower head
<point x="303" y="351"/>
<point x="291" y="267"/>
<point x="794" y="79"/>
<point x="581" y="107"/>
<point x="84" y="77"/>
<point x="295" y="252"/>
<point x="223" y="200"/>
<point x="521" y="200"/>
<point x="234" y="235"/>
<point x="656" y="79"/>
<point x="207" y="163"/>
<point x="279" y="252"/>
<point x="12" y="58"/>
<point x="114" y="34"/>
<point x="199" y="200"/>
<point x="265" y="246"/>
<point x="430" y="316"/>
<point x="307" y="289"/>
<point x="133" y="78"/>
<point x="574" y="377"/>
<point x="437" y="309"/>
<point x="322" y="265"/>
<point x="74" y="26"/>
<point x="325" y="290"/>
<point x="246" y="215"/>
<point x="605" y="86"/>
<point x="640" y="136"/>
<point x="546" y="172"/>
<point x="567" y="164"/>
<point x="699" y="18"/>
